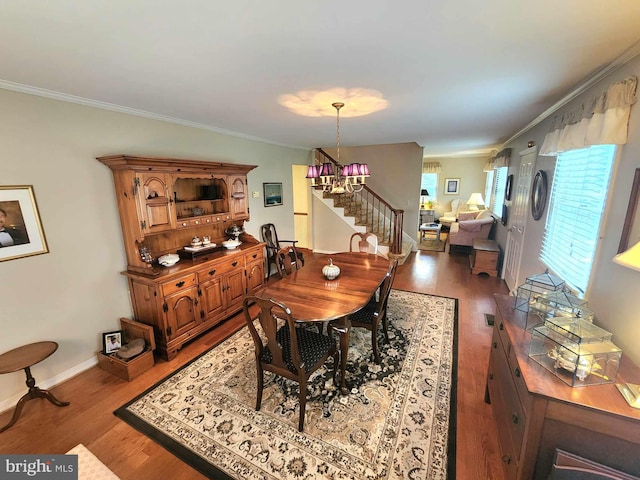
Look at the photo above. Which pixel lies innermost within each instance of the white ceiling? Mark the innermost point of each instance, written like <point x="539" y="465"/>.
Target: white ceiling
<point x="458" y="75"/>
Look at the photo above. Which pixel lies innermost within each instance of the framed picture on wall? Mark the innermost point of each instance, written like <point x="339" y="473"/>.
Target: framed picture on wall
<point x="272" y="194"/>
<point x="507" y="190"/>
<point x="21" y="233"/>
<point x="451" y="186"/>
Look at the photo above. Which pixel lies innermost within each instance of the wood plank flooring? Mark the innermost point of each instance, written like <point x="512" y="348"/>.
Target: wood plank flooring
<point x="95" y="394"/>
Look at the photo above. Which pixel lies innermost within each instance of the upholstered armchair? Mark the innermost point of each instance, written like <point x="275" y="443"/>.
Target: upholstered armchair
<point x="447" y="218"/>
<point x="463" y="232"/>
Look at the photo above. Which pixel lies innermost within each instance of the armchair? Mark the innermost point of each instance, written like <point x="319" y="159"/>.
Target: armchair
<point x="447" y="218"/>
<point x="463" y="232"/>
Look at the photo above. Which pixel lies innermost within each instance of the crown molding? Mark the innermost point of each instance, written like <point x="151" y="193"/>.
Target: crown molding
<point x="42" y="92"/>
<point x="629" y="54"/>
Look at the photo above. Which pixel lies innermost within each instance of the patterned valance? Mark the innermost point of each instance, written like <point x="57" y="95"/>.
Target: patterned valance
<point x="432" y="167"/>
<point x="502" y="158"/>
<point x="602" y="120"/>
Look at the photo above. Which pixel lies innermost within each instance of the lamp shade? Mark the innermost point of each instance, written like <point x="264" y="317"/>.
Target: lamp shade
<point x="424" y="192"/>
<point x="475" y="199"/>
<point x="313" y="172"/>
<point x="629" y="258"/>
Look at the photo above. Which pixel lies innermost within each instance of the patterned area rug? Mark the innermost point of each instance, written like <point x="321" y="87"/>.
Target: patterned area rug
<point x="430" y="244"/>
<point x="398" y="421"/>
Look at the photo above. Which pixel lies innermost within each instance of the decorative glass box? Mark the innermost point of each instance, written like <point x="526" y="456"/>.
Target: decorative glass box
<point x="556" y="304"/>
<point x="576" y="351"/>
<point x="534" y="286"/>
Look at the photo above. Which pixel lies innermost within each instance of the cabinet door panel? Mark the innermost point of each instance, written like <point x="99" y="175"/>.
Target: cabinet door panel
<point x="255" y="276"/>
<point x="239" y="197"/>
<point x="212" y="298"/>
<point x="182" y="312"/>
<point x="234" y="289"/>
<point x="155" y="202"/>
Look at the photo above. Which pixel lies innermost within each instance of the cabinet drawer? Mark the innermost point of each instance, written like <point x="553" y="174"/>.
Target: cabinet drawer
<point x="234" y="262"/>
<point x="178" y="283"/>
<point x="254" y="256"/>
<point x="518" y="380"/>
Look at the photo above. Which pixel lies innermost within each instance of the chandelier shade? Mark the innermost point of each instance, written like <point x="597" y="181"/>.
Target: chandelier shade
<point x="343" y="178"/>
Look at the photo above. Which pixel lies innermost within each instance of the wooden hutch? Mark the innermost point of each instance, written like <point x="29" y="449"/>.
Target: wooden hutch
<point x="163" y="203"/>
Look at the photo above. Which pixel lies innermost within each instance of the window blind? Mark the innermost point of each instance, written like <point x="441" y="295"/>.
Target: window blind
<point x="578" y="195"/>
<point x="499" y="187"/>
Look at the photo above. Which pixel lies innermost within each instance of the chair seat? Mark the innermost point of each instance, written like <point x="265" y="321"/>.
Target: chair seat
<point x="365" y="315"/>
<point x="313" y="346"/>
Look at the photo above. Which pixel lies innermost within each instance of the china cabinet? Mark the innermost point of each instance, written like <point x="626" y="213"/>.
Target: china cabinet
<point x="163" y="204"/>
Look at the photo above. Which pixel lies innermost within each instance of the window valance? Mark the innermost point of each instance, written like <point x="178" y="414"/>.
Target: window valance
<point x="431" y="167"/>
<point x="603" y="120"/>
<point x="502" y="158"/>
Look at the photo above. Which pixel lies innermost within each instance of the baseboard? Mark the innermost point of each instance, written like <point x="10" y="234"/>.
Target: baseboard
<point x="48" y="383"/>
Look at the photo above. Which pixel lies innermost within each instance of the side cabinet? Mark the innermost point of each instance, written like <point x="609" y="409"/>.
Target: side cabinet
<point x="536" y="413"/>
<point x="192" y="298"/>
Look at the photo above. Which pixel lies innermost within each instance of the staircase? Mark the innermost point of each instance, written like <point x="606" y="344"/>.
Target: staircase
<point x="366" y="211"/>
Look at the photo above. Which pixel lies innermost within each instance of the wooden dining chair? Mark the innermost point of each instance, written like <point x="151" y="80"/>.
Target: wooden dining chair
<point x="273" y="244"/>
<point x="287" y="348"/>
<point x="287" y="261"/>
<point x="363" y="242"/>
<point x="372" y="314"/>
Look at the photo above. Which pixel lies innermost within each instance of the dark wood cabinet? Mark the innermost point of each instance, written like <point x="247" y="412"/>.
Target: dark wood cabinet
<point x="536" y="413"/>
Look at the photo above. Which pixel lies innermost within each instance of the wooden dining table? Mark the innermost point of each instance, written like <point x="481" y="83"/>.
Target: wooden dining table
<point x="312" y="298"/>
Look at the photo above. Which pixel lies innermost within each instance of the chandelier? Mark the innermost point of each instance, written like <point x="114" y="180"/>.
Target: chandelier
<point x="338" y="178"/>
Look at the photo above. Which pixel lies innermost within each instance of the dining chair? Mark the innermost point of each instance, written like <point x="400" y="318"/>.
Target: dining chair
<point x="363" y="242"/>
<point x="286" y="348"/>
<point x="287" y="261"/>
<point x="273" y="244"/>
<point x="372" y="314"/>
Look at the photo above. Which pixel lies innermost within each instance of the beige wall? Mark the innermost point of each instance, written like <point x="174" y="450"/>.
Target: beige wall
<point x="613" y="293"/>
<point x="74" y="293"/>
<point x="472" y="179"/>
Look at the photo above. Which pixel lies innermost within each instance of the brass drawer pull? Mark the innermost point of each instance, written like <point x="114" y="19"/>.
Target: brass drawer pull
<point x="212" y="272"/>
<point x="234" y="264"/>
<point x="180" y="284"/>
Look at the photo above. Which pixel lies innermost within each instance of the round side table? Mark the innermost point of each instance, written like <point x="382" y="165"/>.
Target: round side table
<point x="23" y="358"/>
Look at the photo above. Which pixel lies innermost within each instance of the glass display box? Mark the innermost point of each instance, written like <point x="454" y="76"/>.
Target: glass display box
<point x="556" y="304"/>
<point x="576" y="351"/>
<point x="531" y="290"/>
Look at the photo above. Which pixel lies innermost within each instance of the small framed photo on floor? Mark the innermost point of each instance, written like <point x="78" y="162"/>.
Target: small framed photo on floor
<point x="111" y="342"/>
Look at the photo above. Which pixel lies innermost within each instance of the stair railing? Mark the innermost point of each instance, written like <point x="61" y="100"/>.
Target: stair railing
<point x="371" y="210"/>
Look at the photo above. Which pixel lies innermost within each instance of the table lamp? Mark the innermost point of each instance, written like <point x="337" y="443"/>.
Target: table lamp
<point x="630" y="258"/>
<point x="423" y="193"/>
<point x="474" y="200"/>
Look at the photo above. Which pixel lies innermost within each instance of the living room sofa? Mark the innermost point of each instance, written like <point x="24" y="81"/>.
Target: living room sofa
<point x="468" y="227"/>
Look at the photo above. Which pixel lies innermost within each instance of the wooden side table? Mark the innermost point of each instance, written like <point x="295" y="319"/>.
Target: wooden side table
<point x="23" y="358"/>
<point x="484" y="257"/>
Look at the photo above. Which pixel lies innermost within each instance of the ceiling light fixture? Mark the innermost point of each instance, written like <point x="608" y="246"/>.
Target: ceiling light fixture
<point x="346" y="179"/>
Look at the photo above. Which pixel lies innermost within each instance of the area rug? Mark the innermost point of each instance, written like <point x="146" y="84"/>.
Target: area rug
<point x="431" y="244"/>
<point x="397" y="421"/>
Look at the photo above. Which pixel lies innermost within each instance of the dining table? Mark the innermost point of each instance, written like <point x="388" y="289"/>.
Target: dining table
<point x="314" y="299"/>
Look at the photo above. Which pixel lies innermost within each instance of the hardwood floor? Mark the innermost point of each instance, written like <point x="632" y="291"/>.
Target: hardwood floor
<point x="95" y="394"/>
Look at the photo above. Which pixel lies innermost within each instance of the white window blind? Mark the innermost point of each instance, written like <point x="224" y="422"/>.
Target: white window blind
<point x="488" y="188"/>
<point x="578" y="194"/>
<point x="499" y="186"/>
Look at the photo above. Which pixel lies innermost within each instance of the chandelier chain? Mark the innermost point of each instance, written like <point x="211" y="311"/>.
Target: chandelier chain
<point x="338" y="106"/>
